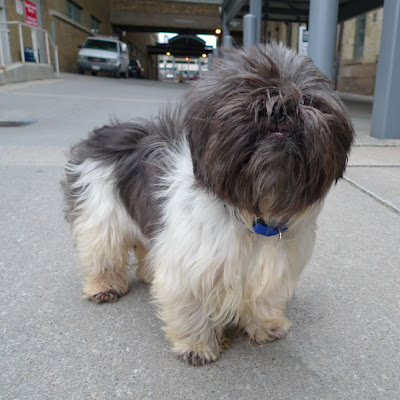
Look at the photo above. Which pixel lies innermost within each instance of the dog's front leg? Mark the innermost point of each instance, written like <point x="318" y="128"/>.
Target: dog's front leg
<point x="264" y="319"/>
<point x="194" y="336"/>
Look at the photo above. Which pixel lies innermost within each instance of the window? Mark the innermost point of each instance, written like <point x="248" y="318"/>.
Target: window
<point x="99" y="44"/>
<point x="94" y="24"/>
<point x="277" y="34"/>
<point x="74" y="11"/>
<point x="359" y="36"/>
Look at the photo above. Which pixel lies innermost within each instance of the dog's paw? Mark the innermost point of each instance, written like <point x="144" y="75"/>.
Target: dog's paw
<point x="106" y="288"/>
<point x="225" y="343"/>
<point x="281" y="331"/>
<point x="108" y="296"/>
<point x="200" y="354"/>
<point x="198" y="357"/>
<point x="270" y="331"/>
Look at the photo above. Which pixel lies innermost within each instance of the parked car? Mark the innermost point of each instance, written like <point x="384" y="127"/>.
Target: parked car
<point x="135" y="69"/>
<point x="104" y="54"/>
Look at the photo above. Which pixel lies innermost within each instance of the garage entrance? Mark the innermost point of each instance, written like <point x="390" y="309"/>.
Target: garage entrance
<point x="183" y="58"/>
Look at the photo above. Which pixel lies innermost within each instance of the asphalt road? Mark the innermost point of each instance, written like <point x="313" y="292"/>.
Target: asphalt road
<point x="345" y="339"/>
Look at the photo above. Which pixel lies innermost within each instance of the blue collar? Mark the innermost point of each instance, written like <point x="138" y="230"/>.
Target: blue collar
<point x="262" y="228"/>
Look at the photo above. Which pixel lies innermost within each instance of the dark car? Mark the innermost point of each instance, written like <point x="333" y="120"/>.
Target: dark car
<point x="135" y="69"/>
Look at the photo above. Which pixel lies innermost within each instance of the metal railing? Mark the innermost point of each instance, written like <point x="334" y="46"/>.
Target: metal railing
<point x="33" y="45"/>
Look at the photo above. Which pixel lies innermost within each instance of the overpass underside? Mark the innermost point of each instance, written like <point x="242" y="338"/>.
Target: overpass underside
<point x="165" y="16"/>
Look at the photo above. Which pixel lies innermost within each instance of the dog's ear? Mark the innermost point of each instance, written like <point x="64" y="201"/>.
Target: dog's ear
<point x="342" y="128"/>
<point x="328" y="112"/>
<point x="198" y="126"/>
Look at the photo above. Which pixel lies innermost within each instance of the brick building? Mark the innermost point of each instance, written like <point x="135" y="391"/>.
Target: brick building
<point x="359" y="50"/>
<point x="69" y="22"/>
<point x="358" y="41"/>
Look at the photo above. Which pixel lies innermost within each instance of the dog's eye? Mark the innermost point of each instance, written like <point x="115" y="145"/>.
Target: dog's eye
<point x="305" y="101"/>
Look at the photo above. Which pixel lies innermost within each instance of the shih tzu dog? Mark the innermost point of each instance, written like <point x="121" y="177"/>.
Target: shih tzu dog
<point x="218" y="199"/>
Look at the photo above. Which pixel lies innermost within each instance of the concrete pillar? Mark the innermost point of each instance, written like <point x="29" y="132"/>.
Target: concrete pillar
<point x="174" y="68"/>
<point x="198" y="64"/>
<point x="210" y="61"/>
<point x="256" y="9"/>
<point x="227" y="41"/>
<point x="227" y="38"/>
<point x="249" y="30"/>
<point x="385" y="113"/>
<point x="225" y="25"/>
<point x="322" y="34"/>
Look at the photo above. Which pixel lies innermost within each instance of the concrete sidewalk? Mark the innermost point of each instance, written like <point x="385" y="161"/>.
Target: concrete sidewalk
<point x="345" y="339"/>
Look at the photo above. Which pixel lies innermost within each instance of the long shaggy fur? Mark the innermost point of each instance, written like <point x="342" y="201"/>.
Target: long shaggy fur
<point x="263" y="136"/>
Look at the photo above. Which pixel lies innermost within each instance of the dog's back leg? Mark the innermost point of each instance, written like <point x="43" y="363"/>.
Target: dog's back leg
<point x="102" y="230"/>
<point x="143" y="271"/>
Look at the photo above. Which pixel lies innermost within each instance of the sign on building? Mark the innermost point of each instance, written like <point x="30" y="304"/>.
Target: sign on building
<point x="303" y="41"/>
<point x="31" y="13"/>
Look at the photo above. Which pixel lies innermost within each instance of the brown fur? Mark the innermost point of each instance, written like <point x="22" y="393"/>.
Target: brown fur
<point x="233" y="120"/>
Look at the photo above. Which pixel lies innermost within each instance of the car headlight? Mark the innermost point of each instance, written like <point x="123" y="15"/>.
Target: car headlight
<point x="112" y="60"/>
<point x="81" y="58"/>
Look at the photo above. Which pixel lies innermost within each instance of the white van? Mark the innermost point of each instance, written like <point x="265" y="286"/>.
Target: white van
<point x="104" y="54"/>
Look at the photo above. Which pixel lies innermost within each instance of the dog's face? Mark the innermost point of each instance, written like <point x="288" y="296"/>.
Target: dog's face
<point x="267" y="132"/>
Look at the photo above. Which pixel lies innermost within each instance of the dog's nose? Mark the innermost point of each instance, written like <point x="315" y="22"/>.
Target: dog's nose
<point x="278" y="113"/>
<point x="282" y="110"/>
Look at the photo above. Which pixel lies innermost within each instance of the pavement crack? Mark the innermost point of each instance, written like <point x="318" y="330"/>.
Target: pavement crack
<point x="375" y="145"/>
<point x="374" y="166"/>
<point x="372" y="195"/>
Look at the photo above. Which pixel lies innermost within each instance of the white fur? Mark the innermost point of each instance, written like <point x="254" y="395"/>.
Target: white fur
<point x="99" y="203"/>
<point x="210" y="269"/>
<point x="103" y="231"/>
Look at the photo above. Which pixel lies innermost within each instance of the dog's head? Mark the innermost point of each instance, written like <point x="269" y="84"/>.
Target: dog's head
<point x="267" y="132"/>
